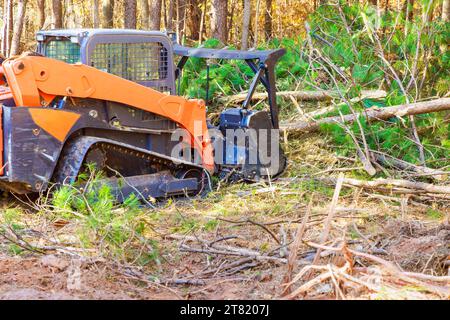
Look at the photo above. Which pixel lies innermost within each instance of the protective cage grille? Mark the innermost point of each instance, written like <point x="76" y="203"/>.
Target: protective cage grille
<point x="63" y="50"/>
<point x="132" y="61"/>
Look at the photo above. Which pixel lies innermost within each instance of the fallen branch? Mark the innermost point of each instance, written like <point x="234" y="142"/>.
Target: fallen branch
<point x="373" y="114"/>
<point x="399" y="164"/>
<point x="390" y="183"/>
<point x="294" y="249"/>
<point x="230" y="268"/>
<point x="395" y="270"/>
<point x="242" y="253"/>
<point x="325" y="95"/>
<point x="329" y="219"/>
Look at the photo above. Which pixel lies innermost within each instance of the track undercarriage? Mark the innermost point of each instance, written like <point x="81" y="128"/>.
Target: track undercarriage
<point x="130" y="170"/>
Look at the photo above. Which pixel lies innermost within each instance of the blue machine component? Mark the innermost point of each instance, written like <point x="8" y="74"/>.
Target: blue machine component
<point x="247" y="143"/>
<point x="233" y="119"/>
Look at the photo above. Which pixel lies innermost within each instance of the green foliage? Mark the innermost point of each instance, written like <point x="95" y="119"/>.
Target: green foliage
<point x="118" y="229"/>
<point x="355" y="51"/>
<point x="211" y="225"/>
<point x="352" y="47"/>
<point x="434" y="214"/>
<point x="14" y="249"/>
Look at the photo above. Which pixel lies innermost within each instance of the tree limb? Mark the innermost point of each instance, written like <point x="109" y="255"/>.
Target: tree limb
<point x="324" y="95"/>
<point x="373" y="114"/>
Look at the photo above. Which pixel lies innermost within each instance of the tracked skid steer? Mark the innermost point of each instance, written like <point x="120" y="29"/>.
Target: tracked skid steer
<point x="110" y="97"/>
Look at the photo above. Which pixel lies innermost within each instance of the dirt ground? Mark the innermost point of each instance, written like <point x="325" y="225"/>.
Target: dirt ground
<point x="412" y="244"/>
<point x="36" y="278"/>
<point x="242" y="241"/>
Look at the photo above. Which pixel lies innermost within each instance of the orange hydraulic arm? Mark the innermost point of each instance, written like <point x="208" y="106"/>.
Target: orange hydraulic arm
<point x="35" y="81"/>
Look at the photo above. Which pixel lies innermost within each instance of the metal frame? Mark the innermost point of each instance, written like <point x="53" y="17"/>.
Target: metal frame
<point x="262" y="64"/>
<point x="89" y="38"/>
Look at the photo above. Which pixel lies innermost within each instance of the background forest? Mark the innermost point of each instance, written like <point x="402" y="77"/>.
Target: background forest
<point x="363" y="208"/>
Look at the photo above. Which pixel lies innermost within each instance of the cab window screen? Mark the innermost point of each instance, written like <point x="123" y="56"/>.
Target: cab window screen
<point x="63" y="50"/>
<point x="132" y="61"/>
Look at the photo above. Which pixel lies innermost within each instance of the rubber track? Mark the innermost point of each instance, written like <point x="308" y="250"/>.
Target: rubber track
<point x="73" y="154"/>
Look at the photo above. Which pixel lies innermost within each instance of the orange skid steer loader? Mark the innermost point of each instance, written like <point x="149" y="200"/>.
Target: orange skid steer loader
<point x="109" y="97"/>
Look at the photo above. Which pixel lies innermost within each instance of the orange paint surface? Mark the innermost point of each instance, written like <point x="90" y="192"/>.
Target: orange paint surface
<point x="35" y="80"/>
<point x="56" y="123"/>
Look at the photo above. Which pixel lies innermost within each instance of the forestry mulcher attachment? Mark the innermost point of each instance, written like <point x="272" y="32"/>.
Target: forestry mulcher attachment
<point x="109" y="97"/>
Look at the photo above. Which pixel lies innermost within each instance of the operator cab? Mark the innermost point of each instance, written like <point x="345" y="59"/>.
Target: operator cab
<point x="145" y="57"/>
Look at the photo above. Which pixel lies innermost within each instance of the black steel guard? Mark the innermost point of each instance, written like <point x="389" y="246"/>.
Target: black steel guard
<point x="262" y="63"/>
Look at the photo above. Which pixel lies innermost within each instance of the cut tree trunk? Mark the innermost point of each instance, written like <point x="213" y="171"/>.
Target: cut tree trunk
<point x="304" y="95"/>
<point x="18" y="27"/>
<point x="373" y="114"/>
<point x="393" y="183"/>
<point x="399" y="164"/>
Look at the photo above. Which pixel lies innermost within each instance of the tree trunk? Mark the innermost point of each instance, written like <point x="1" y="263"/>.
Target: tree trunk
<point x="145" y="14"/>
<point x="202" y="22"/>
<point x="155" y="15"/>
<point x="323" y="95"/>
<point x="170" y="13"/>
<point x="256" y="30"/>
<point x="446" y="11"/>
<point x="71" y="17"/>
<point x="245" y="24"/>
<point x="268" y="20"/>
<point x="41" y="13"/>
<point x="7" y="26"/>
<point x="373" y="114"/>
<point x="231" y="15"/>
<point x="130" y="14"/>
<point x="181" y="19"/>
<point x="108" y="14"/>
<point x="402" y="165"/>
<point x="18" y="26"/>
<point x="57" y="14"/>
<point x="392" y="184"/>
<point x="194" y="19"/>
<point x="219" y="14"/>
<point x="96" y="14"/>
